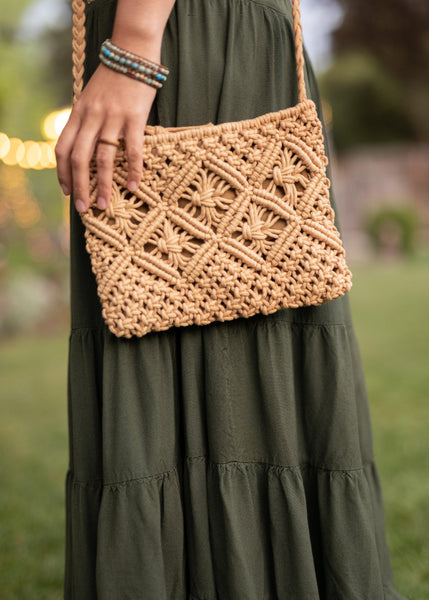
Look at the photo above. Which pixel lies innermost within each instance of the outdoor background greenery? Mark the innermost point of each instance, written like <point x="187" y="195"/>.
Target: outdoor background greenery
<point x="390" y="307"/>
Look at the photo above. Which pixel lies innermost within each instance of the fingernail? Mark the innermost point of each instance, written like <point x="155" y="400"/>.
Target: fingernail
<point x="80" y="205"/>
<point x="101" y="202"/>
<point x="65" y="189"/>
<point x="132" y="186"/>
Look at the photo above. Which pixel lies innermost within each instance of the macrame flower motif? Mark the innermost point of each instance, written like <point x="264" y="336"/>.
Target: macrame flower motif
<point x="286" y="175"/>
<point x="172" y="244"/>
<point x="126" y="215"/>
<point x="207" y="195"/>
<point x="259" y="229"/>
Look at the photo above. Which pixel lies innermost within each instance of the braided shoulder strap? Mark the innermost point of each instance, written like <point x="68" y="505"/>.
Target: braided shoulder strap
<point x="78" y="7"/>
<point x="78" y="54"/>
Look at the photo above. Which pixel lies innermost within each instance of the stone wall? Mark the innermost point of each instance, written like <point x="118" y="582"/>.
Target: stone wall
<point x="372" y="176"/>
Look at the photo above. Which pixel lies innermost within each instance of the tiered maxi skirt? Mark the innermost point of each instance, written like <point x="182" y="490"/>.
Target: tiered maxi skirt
<point x="231" y="461"/>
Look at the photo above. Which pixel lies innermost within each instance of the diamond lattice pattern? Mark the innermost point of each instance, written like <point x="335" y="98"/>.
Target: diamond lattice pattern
<point x="223" y="225"/>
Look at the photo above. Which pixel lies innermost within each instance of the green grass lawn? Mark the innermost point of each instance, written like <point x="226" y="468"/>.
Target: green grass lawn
<point x="390" y="305"/>
<point x="33" y="462"/>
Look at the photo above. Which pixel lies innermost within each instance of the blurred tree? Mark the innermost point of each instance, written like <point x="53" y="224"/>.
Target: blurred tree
<point x="35" y="66"/>
<point x="395" y="31"/>
<point x="54" y="36"/>
<point x="396" y="34"/>
<point x="367" y="103"/>
<point x="58" y="43"/>
<point x="10" y="13"/>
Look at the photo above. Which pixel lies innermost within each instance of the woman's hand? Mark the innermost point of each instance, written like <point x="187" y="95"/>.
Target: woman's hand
<point x="110" y="106"/>
<point x="113" y="105"/>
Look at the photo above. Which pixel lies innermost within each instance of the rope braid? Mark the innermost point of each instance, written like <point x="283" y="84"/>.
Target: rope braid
<point x="299" y="51"/>
<point x="78" y="54"/>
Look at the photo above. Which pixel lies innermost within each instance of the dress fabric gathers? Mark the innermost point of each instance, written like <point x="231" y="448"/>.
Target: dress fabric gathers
<point x="231" y="461"/>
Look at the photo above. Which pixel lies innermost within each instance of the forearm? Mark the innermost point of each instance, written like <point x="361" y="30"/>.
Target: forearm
<point x="139" y="26"/>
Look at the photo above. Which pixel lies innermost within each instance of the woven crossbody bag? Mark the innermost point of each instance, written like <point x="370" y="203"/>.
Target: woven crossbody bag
<point x="228" y="220"/>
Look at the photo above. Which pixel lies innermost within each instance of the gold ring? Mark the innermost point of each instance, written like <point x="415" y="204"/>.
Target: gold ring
<point x="104" y="141"/>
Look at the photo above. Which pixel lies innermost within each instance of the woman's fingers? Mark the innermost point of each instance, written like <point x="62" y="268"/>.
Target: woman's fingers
<point x="105" y="159"/>
<point x="134" y="131"/>
<point x="134" y="148"/>
<point x="63" y="150"/>
<point x="80" y="157"/>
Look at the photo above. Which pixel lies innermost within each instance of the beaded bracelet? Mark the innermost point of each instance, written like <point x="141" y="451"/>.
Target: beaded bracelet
<point x="132" y="65"/>
<point x="129" y="72"/>
<point x="134" y="57"/>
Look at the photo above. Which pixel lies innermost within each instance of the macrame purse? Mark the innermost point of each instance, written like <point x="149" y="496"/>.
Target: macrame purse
<point x="228" y="221"/>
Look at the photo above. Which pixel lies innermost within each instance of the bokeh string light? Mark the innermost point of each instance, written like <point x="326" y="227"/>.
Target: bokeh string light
<point x="30" y="154"/>
<point x="18" y="203"/>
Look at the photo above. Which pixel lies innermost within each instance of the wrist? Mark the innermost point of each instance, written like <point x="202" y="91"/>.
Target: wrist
<point x="139" y="26"/>
<point x="144" y="43"/>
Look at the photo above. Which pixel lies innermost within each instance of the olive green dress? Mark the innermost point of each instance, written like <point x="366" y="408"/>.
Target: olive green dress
<point x="231" y="461"/>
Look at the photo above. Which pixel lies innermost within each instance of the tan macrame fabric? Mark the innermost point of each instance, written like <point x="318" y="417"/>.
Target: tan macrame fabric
<point x="228" y="221"/>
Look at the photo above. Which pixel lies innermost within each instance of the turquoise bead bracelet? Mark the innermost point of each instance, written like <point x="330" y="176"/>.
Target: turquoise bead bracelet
<point x="130" y="72"/>
<point x="133" y="57"/>
<point x="132" y="65"/>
